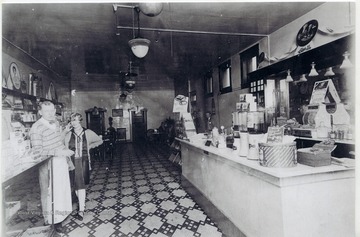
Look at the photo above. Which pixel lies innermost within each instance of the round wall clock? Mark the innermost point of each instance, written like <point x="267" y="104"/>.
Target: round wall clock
<point x="306" y="33"/>
<point x="15" y="75"/>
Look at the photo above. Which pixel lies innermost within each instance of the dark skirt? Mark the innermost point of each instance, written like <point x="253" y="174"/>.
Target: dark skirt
<point x="81" y="174"/>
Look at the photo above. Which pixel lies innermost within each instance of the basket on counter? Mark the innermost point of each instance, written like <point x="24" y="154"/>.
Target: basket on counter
<point x="278" y="155"/>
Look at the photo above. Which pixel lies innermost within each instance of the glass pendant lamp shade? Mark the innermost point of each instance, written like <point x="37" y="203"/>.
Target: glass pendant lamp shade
<point x="329" y="72"/>
<point x="289" y="78"/>
<point x="151" y="8"/>
<point x="302" y="78"/>
<point x="129" y="86"/>
<point x="139" y="47"/>
<point x="313" y="72"/>
<point x="346" y="63"/>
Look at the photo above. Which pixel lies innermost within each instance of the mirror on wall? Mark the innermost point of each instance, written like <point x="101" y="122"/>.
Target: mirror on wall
<point x="225" y="77"/>
<point x="248" y="63"/>
<point x="208" y="84"/>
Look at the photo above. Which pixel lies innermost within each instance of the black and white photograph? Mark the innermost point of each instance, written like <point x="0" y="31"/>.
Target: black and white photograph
<point x="179" y="119"/>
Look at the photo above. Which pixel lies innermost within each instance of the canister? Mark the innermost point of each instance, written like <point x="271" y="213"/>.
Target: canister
<point x="244" y="144"/>
<point x="254" y="140"/>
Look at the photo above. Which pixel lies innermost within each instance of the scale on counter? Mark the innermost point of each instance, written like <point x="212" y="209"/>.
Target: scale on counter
<point x="324" y="109"/>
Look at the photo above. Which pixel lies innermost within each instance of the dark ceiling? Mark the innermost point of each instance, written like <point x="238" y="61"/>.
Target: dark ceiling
<point x="186" y="38"/>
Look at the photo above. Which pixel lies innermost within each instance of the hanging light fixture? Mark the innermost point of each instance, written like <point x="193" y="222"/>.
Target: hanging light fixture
<point x="289" y="78"/>
<point x="122" y="96"/>
<point x="302" y="78"/>
<point x="329" y="72"/>
<point x="313" y="72"/>
<point x="346" y="62"/>
<point x="151" y="8"/>
<point x="130" y="76"/>
<point x="138" y="45"/>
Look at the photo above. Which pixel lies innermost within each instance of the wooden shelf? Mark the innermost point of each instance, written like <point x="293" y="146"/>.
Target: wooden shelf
<point x="26" y="96"/>
<point x="324" y="56"/>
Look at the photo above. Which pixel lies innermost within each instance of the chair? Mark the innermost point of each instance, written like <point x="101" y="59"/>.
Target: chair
<point x="150" y="135"/>
<point x="109" y="142"/>
<point x="108" y="148"/>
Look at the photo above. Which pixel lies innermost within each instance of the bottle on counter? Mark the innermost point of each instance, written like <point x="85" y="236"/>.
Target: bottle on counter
<point x="349" y="134"/>
<point x="322" y="131"/>
<point x="222" y="138"/>
<point x="332" y="134"/>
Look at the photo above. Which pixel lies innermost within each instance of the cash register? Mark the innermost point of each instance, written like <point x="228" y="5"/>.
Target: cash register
<point x="325" y="109"/>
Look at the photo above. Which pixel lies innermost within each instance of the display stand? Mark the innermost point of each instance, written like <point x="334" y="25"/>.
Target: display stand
<point x="175" y="155"/>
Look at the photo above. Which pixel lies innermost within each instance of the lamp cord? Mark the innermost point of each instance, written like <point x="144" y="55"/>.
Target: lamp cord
<point x="133" y="16"/>
<point x="138" y="20"/>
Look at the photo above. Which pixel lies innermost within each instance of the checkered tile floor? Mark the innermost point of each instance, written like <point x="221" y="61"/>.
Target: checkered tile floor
<point x="138" y="193"/>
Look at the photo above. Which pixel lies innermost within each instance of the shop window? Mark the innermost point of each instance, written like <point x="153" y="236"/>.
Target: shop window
<point x="225" y="77"/>
<point x="248" y="63"/>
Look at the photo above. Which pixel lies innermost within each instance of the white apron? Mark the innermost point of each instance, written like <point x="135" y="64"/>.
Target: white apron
<point x="62" y="191"/>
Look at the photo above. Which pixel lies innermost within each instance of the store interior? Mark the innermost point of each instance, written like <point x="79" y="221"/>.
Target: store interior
<point x="157" y="81"/>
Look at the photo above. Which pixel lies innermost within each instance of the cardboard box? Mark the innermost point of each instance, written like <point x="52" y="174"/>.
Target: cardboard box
<point x="313" y="158"/>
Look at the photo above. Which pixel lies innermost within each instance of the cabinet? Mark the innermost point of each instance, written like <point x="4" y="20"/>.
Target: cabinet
<point x="95" y="120"/>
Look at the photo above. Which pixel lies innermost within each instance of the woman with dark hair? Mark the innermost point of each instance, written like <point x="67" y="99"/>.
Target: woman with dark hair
<point x="81" y="140"/>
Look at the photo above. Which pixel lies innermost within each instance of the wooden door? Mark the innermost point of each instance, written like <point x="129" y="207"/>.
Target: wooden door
<point x="139" y="125"/>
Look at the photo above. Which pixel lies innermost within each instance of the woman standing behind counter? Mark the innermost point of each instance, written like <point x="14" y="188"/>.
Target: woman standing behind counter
<point x="81" y="140"/>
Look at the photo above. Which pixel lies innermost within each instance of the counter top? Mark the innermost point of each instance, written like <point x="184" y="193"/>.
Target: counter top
<point x="279" y="176"/>
<point x="350" y="142"/>
<point x="17" y="165"/>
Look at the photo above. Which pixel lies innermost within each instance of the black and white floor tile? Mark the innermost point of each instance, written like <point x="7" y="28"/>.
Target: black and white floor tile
<point x="138" y="193"/>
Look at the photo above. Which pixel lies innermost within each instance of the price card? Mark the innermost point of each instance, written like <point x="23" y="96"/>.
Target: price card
<point x="275" y="135"/>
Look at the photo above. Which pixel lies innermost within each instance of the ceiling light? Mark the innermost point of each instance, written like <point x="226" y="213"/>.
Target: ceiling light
<point x="151" y="8"/>
<point x="129" y="86"/>
<point x="289" y="78"/>
<point x="329" y="72"/>
<point x="302" y="78"/>
<point x="138" y="45"/>
<point x="346" y="63"/>
<point x="122" y="96"/>
<point x="313" y="72"/>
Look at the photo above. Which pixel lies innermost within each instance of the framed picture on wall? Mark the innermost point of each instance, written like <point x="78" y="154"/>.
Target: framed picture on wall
<point x="117" y="113"/>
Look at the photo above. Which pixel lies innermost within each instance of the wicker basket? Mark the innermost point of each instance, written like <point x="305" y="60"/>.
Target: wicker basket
<point x="277" y="155"/>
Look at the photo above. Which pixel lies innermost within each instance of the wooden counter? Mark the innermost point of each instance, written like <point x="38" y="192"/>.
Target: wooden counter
<point x="259" y="201"/>
<point x="13" y="167"/>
